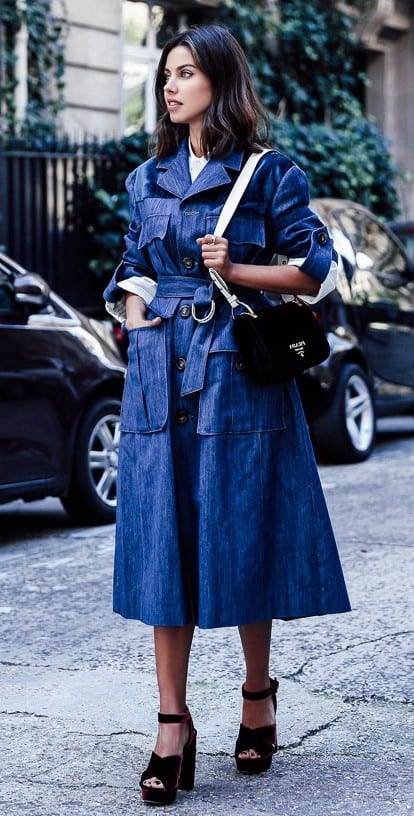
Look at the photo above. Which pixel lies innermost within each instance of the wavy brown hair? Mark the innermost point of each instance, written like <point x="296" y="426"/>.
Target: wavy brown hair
<point x="235" y="118"/>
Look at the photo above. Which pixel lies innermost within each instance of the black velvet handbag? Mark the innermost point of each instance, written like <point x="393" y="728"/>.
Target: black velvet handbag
<point x="279" y="342"/>
<point x="275" y="343"/>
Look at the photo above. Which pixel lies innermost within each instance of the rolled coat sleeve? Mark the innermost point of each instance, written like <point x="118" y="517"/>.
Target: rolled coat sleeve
<point x="299" y="232"/>
<point x="134" y="273"/>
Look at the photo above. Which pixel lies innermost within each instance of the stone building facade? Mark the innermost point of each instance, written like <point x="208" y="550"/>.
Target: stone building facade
<point x="387" y="35"/>
<point x="93" y="73"/>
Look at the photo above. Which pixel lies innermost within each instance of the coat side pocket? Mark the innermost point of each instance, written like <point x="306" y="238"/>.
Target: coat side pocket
<point x="145" y="401"/>
<point x="230" y="402"/>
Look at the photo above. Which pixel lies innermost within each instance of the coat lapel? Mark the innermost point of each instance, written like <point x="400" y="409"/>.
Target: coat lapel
<point x="174" y="175"/>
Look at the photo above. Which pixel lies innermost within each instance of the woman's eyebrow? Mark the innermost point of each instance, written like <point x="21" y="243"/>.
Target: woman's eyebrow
<point x="180" y="67"/>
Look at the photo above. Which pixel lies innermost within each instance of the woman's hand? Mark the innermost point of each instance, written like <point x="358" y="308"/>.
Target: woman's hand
<point x="283" y="279"/>
<point x="215" y="255"/>
<point x="136" y="310"/>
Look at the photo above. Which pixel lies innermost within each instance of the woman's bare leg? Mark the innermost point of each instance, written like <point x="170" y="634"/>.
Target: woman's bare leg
<point x="172" y="653"/>
<point x="255" y="639"/>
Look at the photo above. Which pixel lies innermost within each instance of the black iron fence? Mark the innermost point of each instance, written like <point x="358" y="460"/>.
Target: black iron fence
<point x="46" y="216"/>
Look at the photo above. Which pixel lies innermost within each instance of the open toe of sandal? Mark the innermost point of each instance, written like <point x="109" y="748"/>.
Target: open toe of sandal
<point x="262" y="741"/>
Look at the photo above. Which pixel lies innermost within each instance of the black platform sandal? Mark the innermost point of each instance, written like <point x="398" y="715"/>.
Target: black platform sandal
<point x="261" y="740"/>
<point x="173" y="772"/>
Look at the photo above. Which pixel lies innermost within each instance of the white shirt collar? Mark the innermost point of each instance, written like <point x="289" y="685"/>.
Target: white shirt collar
<point x="196" y="163"/>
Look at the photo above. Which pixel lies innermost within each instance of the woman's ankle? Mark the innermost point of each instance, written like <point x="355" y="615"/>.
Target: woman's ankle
<point x="171" y="738"/>
<point x="258" y="713"/>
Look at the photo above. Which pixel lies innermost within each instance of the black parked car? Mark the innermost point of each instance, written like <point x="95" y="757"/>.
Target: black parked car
<point x="369" y="321"/>
<point x="60" y="390"/>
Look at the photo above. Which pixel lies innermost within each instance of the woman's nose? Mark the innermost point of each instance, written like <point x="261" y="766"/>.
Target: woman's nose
<point x="170" y="84"/>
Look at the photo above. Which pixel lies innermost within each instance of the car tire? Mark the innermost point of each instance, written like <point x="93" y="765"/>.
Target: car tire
<point x="346" y="432"/>
<point x="91" y="498"/>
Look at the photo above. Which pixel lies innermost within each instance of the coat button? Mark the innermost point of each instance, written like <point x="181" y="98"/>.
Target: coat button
<point x="322" y="238"/>
<point x="185" y="311"/>
<point x="240" y="366"/>
<point x="181" y="417"/>
<point x="188" y="263"/>
<point x="180" y="363"/>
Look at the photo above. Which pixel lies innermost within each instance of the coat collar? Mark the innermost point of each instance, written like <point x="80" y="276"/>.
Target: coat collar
<point x="174" y="174"/>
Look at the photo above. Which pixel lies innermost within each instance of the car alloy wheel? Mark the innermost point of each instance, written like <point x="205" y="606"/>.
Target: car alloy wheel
<point x="103" y="457"/>
<point x="346" y="431"/>
<point x="91" y="495"/>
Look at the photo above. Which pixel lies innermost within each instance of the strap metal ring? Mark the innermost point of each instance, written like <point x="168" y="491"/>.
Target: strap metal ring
<point x="207" y="317"/>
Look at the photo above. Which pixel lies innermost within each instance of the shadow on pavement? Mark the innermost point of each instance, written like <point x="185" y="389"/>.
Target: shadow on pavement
<point x="19" y="519"/>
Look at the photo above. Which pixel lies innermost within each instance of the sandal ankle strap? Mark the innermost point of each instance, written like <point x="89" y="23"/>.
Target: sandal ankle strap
<point x="175" y="718"/>
<point x="261" y="695"/>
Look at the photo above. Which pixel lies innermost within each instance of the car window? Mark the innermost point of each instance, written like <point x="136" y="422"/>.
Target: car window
<point x="7" y="305"/>
<point x="408" y="241"/>
<point x="375" y="250"/>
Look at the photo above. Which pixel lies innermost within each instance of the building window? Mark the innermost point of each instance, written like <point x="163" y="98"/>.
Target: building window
<point x="146" y="28"/>
<point x="141" y="24"/>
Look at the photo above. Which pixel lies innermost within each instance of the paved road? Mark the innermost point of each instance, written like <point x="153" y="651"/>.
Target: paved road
<point x="78" y="708"/>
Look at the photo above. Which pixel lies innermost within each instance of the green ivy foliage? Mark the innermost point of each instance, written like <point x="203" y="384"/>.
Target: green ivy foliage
<point x="46" y="36"/>
<point x="347" y="160"/>
<point x="307" y="65"/>
<point x="110" y="214"/>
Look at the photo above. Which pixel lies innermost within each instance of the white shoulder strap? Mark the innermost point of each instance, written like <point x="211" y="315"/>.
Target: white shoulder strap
<point x="229" y="208"/>
<point x="236" y="192"/>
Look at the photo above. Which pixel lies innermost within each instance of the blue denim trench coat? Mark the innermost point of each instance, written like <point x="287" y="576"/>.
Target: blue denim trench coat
<point x="221" y="516"/>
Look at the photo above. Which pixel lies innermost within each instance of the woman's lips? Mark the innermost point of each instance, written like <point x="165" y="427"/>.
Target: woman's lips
<point x="173" y="103"/>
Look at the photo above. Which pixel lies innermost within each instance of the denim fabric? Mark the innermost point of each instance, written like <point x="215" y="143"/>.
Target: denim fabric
<point x="168" y="213"/>
<point x="221" y="517"/>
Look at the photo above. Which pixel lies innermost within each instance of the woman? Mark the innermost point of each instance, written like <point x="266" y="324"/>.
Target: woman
<point x="221" y="516"/>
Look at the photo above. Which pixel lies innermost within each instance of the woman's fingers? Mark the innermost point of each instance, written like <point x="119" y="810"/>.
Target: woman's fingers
<point x="214" y="250"/>
<point x="136" y="309"/>
<point x="141" y="323"/>
<point x="208" y="239"/>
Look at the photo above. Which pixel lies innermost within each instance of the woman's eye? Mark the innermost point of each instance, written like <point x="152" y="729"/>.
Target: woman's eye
<point x="186" y="74"/>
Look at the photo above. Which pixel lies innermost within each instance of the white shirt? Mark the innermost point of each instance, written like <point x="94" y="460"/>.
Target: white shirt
<point x="196" y="163"/>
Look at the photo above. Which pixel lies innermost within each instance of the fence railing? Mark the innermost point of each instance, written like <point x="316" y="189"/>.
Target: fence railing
<point x="46" y="209"/>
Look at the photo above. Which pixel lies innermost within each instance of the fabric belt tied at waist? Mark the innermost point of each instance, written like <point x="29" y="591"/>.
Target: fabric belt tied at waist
<point x="176" y="287"/>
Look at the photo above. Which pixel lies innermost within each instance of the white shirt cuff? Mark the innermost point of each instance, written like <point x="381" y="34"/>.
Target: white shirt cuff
<point x="145" y="287"/>
<point x="327" y="285"/>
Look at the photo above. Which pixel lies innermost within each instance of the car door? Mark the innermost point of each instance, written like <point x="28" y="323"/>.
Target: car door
<point x="381" y="298"/>
<point x="31" y="376"/>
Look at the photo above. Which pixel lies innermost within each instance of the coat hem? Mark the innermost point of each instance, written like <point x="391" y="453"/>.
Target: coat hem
<point x="229" y="624"/>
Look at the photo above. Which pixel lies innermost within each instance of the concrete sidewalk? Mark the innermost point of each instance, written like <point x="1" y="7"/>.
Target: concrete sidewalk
<point x="78" y="704"/>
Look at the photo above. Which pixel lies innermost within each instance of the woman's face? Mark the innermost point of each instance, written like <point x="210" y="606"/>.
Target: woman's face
<point x="187" y="91"/>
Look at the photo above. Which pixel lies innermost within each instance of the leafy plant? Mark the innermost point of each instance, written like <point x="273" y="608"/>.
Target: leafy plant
<point x="110" y="213"/>
<point x="46" y="64"/>
<point x="348" y="159"/>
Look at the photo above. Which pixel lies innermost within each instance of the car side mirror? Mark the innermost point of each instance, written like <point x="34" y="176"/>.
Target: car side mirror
<point x="31" y="291"/>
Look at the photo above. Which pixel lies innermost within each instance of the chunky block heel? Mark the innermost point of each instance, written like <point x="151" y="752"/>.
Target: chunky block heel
<point x="172" y="772"/>
<point x="186" y="781"/>
<point x="262" y="740"/>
